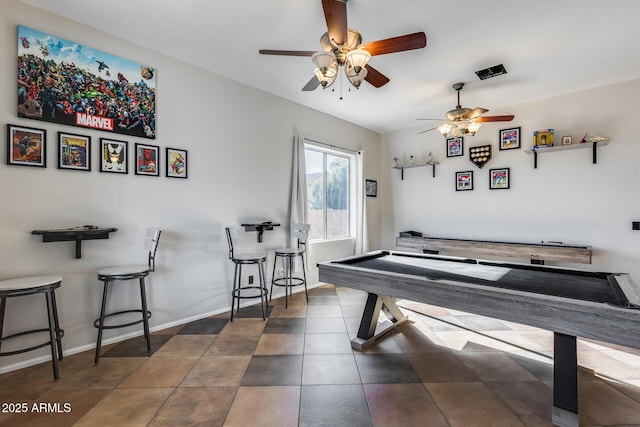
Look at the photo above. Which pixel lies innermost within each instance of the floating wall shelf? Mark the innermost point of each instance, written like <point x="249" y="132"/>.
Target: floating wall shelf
<point x="415" y="165"/>
<point x="593" y="145"/>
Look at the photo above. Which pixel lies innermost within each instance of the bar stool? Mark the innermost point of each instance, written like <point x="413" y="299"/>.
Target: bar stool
<point x="23" y="286"/>
<point x="108" y="275"/>
<point x="287" y="255"/>
<point x="240" y="292"/>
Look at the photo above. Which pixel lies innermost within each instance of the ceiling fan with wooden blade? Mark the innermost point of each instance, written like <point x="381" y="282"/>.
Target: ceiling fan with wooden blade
<point x="464" y="121"/>
<point x="342" y="47"/>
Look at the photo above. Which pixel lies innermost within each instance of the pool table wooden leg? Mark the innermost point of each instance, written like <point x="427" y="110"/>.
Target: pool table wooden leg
<point x="565" y="381"/>
<point x="367" y="333"/>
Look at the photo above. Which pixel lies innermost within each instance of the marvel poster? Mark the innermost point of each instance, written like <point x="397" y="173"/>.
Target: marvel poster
<point x="64" y="82"/>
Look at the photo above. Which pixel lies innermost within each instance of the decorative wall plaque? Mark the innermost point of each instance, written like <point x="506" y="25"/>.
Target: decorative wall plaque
<point x="480" y="155"/>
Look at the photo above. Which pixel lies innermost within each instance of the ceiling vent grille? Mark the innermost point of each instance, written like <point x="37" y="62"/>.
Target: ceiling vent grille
<point x="487" y="73"/>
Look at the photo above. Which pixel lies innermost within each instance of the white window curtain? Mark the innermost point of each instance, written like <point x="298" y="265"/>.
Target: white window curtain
<point x="362" y="239"/>
<point x="298" y="199"/>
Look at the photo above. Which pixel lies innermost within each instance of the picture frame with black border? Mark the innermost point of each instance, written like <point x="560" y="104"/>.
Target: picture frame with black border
<point x="455" y="146"/>
<point x="74" y="151"/>
<point x="26" y="146"/>
<point x="372" y="188"/>
<point x="464" y="181"/>
<point x="114" y="156"/>
<point x="510" y="138"/>
<point x="176" y="161"/>
<point x="147" y="159"/>
<point x="500" y="179"/>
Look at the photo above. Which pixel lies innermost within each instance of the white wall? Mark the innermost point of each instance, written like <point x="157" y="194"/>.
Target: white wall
<point x="239" y="143"/>
<point x="567" y="198"/>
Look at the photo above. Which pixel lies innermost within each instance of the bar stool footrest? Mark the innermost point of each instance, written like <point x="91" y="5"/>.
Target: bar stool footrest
<point x="237" y="293"/>
<point x="284" y="281"/>
<point x="96" y="323"/>
<point x="59" y="335"/>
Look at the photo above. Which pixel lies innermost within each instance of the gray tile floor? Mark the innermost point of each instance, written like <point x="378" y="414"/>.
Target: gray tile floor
<point x="443" y="368"/>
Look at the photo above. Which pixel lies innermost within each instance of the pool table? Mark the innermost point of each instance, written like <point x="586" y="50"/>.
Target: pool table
<point x="569" y="302"/>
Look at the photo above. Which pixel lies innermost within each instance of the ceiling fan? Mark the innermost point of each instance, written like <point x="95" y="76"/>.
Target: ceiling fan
<point x="342" y="47"/>
<point x="465" y="121"/>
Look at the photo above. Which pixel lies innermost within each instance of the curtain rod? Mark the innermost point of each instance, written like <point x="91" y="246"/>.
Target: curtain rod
<point x="332" y="146"/>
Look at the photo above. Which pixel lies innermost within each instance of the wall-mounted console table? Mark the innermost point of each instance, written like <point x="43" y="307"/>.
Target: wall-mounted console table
<point x="538" y="253"/>
<point x="75" y="234"/>
<point x="416" y="165"/>
<point x="260" y="227"/>
<point x="592" y="145"/>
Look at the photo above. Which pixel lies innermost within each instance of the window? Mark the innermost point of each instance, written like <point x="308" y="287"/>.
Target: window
<point x="329" y="189"/>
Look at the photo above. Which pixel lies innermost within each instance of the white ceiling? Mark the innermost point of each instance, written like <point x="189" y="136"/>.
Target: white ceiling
<point x="548" y="47"/>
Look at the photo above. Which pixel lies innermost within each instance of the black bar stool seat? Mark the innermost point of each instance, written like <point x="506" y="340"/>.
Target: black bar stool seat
<point x="241" y="291"/>
<point x="23" y="286"/>
<point x="287" y="255"/>
<point x="109" y="275"/>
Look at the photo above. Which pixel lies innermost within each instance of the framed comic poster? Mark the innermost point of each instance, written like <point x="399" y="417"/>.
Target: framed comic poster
<point x="147" y="159"/>
<point x="464" y="181"/>
<point x="113" y="156"/>
<point x="65" y="82"/>
<point x="26" y="146"/>
<point x="176" y="163"/>
<point x="499" y="179"/>
<point x="510" y="139"/>
<point x="455" y="146"/>
<point x="74" y="151"/>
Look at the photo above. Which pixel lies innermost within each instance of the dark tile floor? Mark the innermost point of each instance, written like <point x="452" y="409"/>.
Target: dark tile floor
<point x="443" y="368"/>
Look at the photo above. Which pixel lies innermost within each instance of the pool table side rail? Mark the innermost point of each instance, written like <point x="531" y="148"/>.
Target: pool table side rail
<point x="542" y="252"/>
<point x="568" y="316"/>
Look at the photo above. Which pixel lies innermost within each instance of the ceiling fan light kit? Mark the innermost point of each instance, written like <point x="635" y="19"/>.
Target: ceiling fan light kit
<point x="353" y="60"/>
<point x="459" y="128"/>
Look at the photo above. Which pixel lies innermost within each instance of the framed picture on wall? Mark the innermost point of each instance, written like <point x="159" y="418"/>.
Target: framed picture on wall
<point x="499" y="179"/>
<point x="455" y="146"/>
<point x="114" y="156"/>
<point x="95" y="79"/>
<point x="372" y="188"/>
<point x="26" y="146"/>
<point x="74" y="151"/>
<point x="147" y="159"/>
<point x="464" y="181"/>
<point x="510" y="138"/>
<point x="176" y="163"/>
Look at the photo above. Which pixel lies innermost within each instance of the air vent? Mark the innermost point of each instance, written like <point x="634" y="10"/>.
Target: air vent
<point x="490" y="72"/>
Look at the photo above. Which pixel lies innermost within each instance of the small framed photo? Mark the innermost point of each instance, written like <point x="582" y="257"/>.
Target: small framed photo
<point x="114" y="156"/>
<point x="543" y="138"/>
<point x="74" y="151"/>
<point x="372" y="188"/>
<point x="455" y="146"/>
<point x="510" y="138"/>
<point x="464" y="181"/>
<point x="499" y="179"/>
<point x="176" y="163"/>
<point x="566" y="140"/>
<point x="26" y="146"/>
<point x="147" y="159"/>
